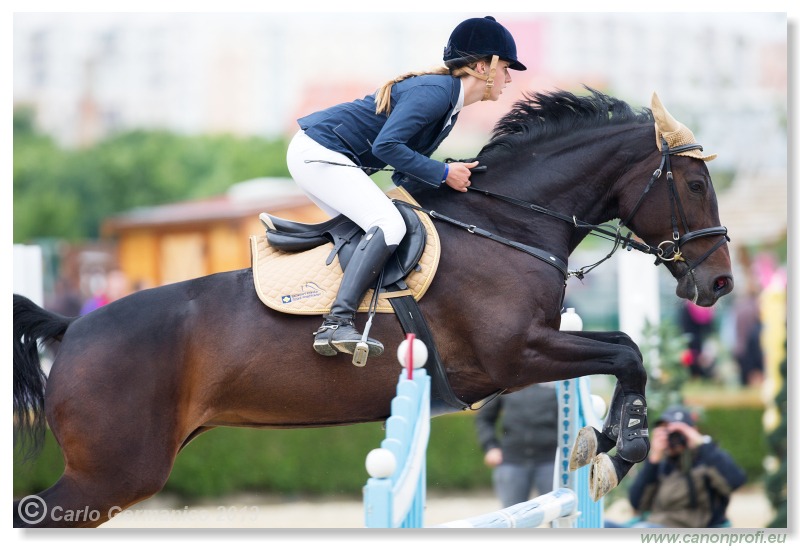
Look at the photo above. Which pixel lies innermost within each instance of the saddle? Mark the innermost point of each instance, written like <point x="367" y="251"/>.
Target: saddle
<point x="297" y="267"/>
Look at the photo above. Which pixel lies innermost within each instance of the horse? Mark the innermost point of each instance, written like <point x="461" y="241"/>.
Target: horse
<point x="133" y="382"/>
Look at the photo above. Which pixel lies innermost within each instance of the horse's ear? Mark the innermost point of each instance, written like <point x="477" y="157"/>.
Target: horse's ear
<point x="664" y="121"/>
<point x="675" y="133"/>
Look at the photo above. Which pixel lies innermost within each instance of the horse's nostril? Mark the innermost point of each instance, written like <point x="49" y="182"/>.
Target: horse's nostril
<point x="721" y="283"/>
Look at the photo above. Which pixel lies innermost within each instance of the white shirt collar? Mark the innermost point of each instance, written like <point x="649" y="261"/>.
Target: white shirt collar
<point x="459" y="104"/>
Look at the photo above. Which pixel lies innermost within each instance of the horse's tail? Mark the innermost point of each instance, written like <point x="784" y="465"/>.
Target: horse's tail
<point x="32" y="324"/>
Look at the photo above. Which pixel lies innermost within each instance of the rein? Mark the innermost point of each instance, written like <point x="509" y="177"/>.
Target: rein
<point x="661" y="251"/>
<point x="533" y="251"/>
<point x="616" y="235"/>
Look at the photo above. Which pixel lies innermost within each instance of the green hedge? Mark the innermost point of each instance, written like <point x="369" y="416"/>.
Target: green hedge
<point x="330" y="461"/>
<point x="313" y="461"/>
<point x="741" y="433"/>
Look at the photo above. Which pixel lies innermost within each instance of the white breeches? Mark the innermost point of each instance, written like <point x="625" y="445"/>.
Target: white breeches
<point x="341" y="189"/>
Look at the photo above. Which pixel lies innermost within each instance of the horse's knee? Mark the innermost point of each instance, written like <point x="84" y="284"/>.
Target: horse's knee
<point x="622" y="339"/>
<point x="631" y="373"/>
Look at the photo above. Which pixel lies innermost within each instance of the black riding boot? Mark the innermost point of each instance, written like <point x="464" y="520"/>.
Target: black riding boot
<point x="337" y="332"/>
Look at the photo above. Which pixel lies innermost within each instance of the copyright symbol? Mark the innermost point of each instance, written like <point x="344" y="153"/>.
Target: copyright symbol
<point x="32" y="509"/>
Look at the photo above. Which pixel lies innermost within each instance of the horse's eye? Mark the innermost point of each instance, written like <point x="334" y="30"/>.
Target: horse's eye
<point x="696" y="186"/>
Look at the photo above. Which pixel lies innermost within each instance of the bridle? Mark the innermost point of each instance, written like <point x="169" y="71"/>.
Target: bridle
<point x="674" y="246"/>
<point x="666" y="251"/>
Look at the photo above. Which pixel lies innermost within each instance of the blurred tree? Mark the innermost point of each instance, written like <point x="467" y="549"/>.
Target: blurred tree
<point x="41" y="207"/>
<point x="776" y="479"/>
<point x="663" y="348"/>
<point x="67" y="193"/>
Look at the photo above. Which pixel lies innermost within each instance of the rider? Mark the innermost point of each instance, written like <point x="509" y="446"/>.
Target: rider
<point x="400" y="125"/>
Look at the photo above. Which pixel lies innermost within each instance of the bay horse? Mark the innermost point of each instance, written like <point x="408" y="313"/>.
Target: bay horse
<point x="136" y="380"/>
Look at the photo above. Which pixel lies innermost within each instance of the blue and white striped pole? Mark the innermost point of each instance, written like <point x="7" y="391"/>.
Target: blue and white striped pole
<point x="574" y="412"/>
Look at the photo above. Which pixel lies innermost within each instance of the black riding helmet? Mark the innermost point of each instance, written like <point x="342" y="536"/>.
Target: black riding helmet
<point x="481" y="37"/>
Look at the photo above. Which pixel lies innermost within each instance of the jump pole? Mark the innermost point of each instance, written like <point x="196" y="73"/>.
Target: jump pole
<point x="395" y="496"/>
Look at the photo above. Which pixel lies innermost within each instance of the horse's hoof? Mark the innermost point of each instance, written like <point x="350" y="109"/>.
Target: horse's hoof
<point x="584" y="449"/>
<point x="602" y="477"/>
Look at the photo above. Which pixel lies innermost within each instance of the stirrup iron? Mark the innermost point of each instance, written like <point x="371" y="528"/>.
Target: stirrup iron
<point x="361" y="353"/>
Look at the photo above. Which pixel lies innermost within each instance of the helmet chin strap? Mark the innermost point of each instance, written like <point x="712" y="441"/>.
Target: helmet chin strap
<point x="488" y="78"/>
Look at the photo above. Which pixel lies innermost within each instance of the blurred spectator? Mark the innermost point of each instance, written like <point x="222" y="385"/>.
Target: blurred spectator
<point x="66" y="300"/>
<point x="772" y="277"/>
<point x="523" y="457"/>
<point x="698" y="323"/>
<point x="105" y="289"/>
<point x="747" y="346"/>
<point x="686" y="481"/>
<point x="742" y="329"/>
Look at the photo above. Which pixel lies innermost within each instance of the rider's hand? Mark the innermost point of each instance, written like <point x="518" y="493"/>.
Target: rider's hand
<point x="459" y="174"/>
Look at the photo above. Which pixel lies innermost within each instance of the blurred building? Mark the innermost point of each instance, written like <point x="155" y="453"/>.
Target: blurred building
<point x="174" y="242"/>
<point x="90" y="75"/>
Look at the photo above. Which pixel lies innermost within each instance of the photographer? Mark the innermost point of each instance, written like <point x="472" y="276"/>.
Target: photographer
<point x="686" y="480"/>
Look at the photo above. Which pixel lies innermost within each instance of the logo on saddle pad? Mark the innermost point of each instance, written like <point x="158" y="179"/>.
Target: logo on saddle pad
<point x="307" y="290"/>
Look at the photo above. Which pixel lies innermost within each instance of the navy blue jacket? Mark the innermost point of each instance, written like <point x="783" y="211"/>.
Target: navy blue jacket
<point x="405" y="139"/>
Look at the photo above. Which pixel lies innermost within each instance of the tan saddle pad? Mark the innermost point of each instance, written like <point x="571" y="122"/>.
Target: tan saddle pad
<point x="300" y="283"/>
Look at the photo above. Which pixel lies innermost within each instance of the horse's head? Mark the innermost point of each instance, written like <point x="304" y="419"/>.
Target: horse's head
<point x="678" y="214"/>
<point x="558" y="150"/>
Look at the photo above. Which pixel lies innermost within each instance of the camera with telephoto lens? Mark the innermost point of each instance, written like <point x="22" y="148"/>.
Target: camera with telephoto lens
<point x="676" y="440"/>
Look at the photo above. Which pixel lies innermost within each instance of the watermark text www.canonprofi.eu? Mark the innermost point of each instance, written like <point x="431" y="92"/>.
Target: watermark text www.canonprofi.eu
<point x="729" y="539"/>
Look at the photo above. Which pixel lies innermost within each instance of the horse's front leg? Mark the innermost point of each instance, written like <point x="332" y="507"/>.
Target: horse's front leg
<point x="625" y="427"/>
<point x="550" y="355"/>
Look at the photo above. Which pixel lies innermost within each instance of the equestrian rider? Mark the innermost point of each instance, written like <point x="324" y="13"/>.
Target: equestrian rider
<point x="400" y="125"/>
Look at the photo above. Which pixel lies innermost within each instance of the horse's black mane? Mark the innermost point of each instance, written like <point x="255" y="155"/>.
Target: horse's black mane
<point x="545" y="115"/>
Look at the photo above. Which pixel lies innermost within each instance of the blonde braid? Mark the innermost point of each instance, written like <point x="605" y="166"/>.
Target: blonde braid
<point x="383" y="97"/>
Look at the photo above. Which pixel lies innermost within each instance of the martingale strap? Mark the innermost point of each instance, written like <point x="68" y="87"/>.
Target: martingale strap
<point x="443" y="399"/>
<point x="531" y="250"/>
